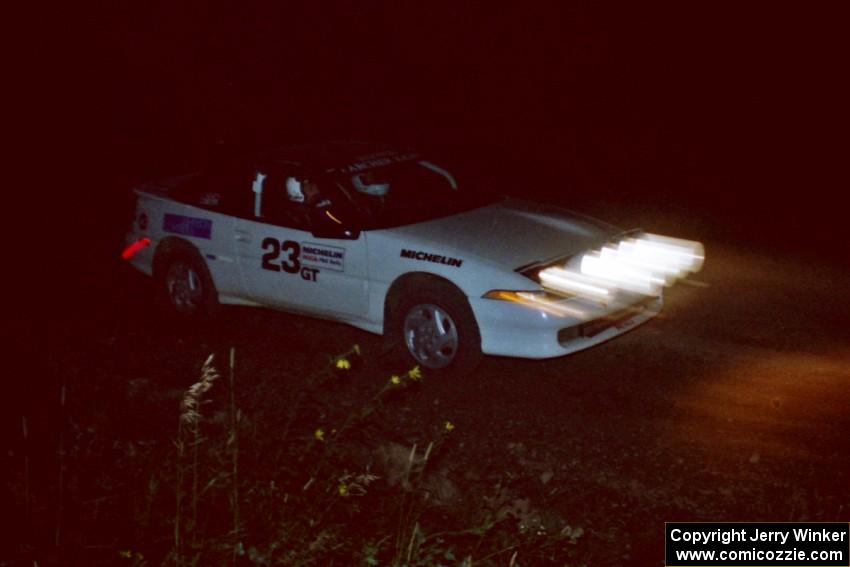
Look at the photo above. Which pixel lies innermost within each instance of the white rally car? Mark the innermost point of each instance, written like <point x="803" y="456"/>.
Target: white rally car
<point x="389" y="242"/>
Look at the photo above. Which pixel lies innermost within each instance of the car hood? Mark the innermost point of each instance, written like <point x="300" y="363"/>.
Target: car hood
<point x="514" y="233"/>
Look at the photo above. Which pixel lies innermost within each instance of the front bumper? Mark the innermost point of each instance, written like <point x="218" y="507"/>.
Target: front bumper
<point x="512" y="329"/>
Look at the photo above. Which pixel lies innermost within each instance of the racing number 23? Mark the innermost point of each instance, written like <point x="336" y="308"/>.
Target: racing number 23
<point x="291" y="250"/>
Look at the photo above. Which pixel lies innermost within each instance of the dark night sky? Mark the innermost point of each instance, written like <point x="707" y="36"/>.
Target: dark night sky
<point x="735" y="112"/>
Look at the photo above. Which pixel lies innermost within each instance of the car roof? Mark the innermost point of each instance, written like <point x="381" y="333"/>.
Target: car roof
<point x="334" y="156"/>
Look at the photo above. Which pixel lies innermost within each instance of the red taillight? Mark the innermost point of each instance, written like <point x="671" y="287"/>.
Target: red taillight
<point x="131" y="250"/>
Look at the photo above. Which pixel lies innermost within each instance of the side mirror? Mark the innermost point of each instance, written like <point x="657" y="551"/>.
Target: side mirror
<point x="325" y="225"/>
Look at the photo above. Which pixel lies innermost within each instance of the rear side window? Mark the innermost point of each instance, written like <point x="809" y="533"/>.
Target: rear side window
<point x="226" y="189"/>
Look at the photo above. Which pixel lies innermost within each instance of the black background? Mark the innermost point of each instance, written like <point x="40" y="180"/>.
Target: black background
<point x="732" y="117"/>
<point x="732" y="114"/>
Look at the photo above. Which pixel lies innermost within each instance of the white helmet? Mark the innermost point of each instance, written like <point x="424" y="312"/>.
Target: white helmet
<point x="293" y="190"/>
<point x="375" y="189"/>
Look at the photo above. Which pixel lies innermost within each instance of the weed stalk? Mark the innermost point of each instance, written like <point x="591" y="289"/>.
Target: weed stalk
<point x="26" y="469"/>
<point x="61" y="465"/>
<point x="190" y="417"/>
<point x="233" y="438"/>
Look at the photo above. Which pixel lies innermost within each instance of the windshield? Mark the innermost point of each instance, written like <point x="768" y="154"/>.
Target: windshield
<point x="405" y="192"/>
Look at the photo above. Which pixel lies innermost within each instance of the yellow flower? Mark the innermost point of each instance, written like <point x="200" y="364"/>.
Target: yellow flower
<point x="415" y="373"/>
<point x="343" y="364"/>
<point x="395" y="380"/>
<point x="319" y="434"/>
<point x="449" y="426"/>
<point x="343" y="489"/>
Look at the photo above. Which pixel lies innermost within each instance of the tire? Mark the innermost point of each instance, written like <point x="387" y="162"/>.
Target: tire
<point x="185" y="286"/>
<point x="434" y="328"/>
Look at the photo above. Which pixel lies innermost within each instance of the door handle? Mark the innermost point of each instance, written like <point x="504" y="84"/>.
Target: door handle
<point x="242" y="236"/>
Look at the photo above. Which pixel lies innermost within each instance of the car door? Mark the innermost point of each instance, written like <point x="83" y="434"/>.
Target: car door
<point x="284" y="265"/>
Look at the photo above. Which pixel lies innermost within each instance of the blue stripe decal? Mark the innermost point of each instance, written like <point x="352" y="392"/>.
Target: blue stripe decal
<point x="189" y="226"/>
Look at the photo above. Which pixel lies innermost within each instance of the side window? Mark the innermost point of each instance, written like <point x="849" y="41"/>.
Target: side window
<point x="225" y="189"/>
<point x="281" y="201"/>
<point x="229" y="190"/>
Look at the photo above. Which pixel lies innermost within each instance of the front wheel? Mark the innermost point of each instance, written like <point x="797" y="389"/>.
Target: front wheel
<point x="438" y="330"/>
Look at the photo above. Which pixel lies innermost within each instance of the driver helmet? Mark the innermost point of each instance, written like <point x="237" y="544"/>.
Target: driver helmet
<point x="293" y="190"/>
<point x="368" y="186"/>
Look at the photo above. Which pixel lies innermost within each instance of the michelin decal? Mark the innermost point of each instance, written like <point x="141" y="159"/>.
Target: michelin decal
<point x="428" y="257"/>
<point x="323" y="256"/>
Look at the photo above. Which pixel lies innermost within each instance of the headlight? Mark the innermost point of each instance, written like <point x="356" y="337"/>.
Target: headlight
<point x="541" y="300"/>
<point x="642" y="265"/>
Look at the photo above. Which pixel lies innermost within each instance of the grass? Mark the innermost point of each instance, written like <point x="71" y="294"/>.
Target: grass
<point x="250" y="478"/>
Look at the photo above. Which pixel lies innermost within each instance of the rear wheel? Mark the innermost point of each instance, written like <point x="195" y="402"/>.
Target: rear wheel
<point x="186" y="286"/>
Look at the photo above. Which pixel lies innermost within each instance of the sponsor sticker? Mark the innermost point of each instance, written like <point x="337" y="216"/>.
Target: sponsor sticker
<point x="188" y="226"/>
<point x="430" y="257"/>
<point x="323" y="256"/>
<point x="379" y="159"/>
